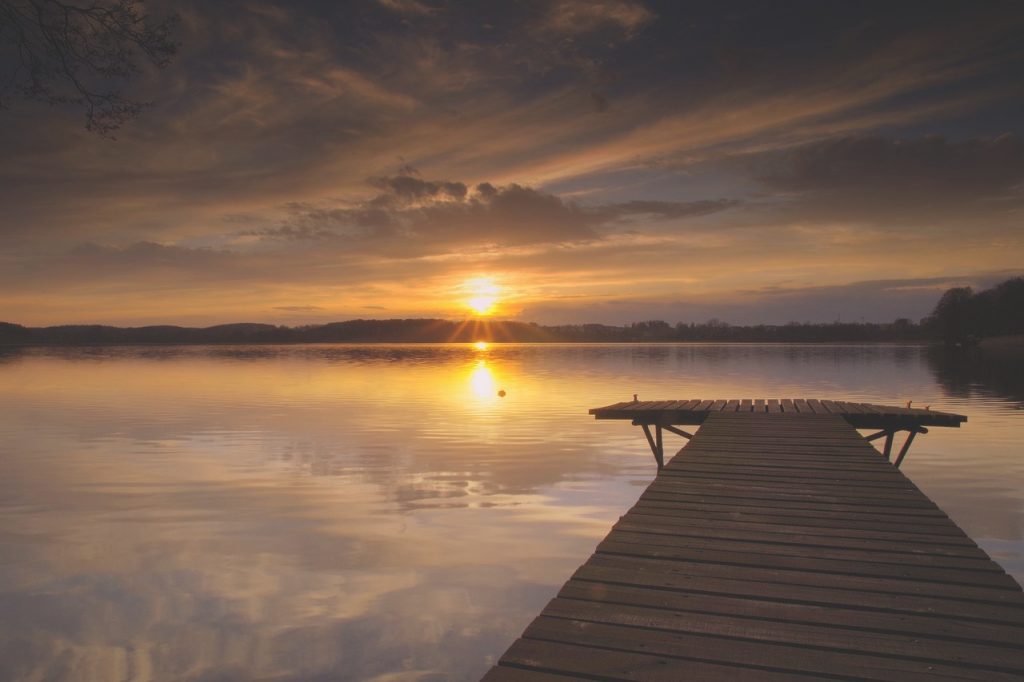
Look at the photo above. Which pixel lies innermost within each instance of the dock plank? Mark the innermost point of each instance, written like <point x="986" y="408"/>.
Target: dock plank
<point x="766" y="655"/>
<point x="860" y="415"/>
<point x="848" y="640"/>
<point x="986" y="634"/>
<point x="871" y="595"/>
<point x="778" y="544"/>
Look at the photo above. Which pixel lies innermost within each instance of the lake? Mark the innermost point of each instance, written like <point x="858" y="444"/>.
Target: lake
<point x="380" y="512"/>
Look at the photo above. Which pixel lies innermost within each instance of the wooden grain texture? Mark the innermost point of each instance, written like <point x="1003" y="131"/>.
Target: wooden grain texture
<point x="859" y="415"/>
<point x="779" y="545"/>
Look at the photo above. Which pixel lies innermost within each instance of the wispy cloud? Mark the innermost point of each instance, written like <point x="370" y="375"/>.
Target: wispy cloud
<point x="576" y="17"/>
<point x="581" y="151"/>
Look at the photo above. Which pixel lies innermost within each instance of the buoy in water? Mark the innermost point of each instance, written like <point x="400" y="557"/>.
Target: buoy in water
<point x="501" y="393"/>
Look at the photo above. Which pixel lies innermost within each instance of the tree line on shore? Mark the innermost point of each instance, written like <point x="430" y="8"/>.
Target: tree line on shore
<point x="963" y="315"/>
<point x="960" y="316"/>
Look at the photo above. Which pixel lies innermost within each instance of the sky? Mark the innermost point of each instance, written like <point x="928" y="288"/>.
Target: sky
<point x="567" y="161"/>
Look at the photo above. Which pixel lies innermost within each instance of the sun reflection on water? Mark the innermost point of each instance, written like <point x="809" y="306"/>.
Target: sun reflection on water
<point x="257" y="499"/>
<point x="482" y="383"/>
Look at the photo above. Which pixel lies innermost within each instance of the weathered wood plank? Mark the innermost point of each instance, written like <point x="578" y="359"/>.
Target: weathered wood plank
<point x="687" y="480"/>
<point x="992" y="658"/>
<point x="813" y="537"/>
<point x="883" y="560"/>
<point x="869" y="594"/>
<point x="896" y="519"/>
<point x="814" y="494"/>
<point x="861" y="415"/>
<point x="773" y="467"/>
<point x="778" y="544"/>
<point x="681" y="482"/>
<point x="792" y="612"/>
<point x="731" y="651"/>
<point x="726" y="458"/>
<point x="763" y="523"/>
<point x="817" y="504"/>
<point x="786" y="582"/>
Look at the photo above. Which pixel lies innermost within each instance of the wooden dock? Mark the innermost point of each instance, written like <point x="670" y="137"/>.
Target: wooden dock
<point x="778" y="544"/>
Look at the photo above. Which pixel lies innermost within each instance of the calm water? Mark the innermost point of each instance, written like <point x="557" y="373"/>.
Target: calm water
<point x="379" y="512"/>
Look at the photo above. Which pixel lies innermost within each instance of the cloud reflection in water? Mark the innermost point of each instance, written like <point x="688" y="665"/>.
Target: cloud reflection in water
<point x="355" y="512"/>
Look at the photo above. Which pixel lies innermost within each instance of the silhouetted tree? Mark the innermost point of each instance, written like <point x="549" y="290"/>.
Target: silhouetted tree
<point x="961" y="313"/>
<point x="1005" y="308"/>
<point x="951" y="317"/>
<point x="80" y="54"/>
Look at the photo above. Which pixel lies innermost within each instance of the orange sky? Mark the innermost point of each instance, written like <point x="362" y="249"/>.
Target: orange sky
<point x="604" y="161"/>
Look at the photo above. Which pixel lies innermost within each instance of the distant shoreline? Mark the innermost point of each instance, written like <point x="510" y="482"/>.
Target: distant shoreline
<point x="464" y="331"/>
<point x="198" y="344"/>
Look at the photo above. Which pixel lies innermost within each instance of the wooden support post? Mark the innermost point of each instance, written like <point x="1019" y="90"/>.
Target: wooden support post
<point x="906" y="447"/>
<point x="888" y="444"/>
<point x="660" y="454"/>
<point x="678" y="432"/>
<point x="655" y="447"/>
<point x="875" y="436"/>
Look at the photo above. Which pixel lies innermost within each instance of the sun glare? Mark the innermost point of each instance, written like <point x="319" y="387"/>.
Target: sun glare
<point x="483" y="295"/>
<point x="480" y="345"/>
<point x="481" y="381"/>
<point x="482" y="305"/>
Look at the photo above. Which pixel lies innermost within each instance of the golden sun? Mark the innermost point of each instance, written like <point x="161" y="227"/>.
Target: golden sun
<point x="483" y="295"/>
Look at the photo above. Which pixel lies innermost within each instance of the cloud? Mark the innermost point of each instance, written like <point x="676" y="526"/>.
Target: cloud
<point x="576" y="17"/>
<point x="145" y="256"/>
<point x="413" y="217"/>
<point x="578" y="149"/>
<point x="933" y="165"/>
<point x="908" y="181"/>
<point x="869" y="301"/>
<point x="406" y="7"/>
<point x="666" y="209"/>
<point x="408" y="189"/>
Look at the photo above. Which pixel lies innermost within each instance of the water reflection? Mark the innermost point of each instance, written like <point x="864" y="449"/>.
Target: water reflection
<point x="481" y="380"/>
<point x="376" y="512"/>
<point x="963" y="373"/>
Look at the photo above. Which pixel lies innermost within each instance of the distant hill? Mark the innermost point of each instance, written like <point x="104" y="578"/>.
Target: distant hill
<point x="960" y="316"/>
<point x="102" y="335"/>
<point x="445" y="331"/>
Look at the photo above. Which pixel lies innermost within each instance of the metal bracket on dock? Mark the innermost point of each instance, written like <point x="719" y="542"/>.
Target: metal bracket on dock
<point x="656" y="442"/>
<point x="889" y="434"/>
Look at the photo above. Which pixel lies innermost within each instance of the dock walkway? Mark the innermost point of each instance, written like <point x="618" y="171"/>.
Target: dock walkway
<point x="778" y="545"/>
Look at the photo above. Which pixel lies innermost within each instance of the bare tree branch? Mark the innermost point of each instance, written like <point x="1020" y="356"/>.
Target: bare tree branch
<point x="80" y="55"/>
